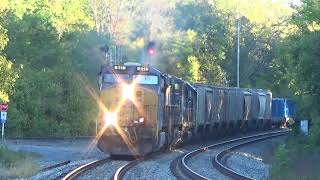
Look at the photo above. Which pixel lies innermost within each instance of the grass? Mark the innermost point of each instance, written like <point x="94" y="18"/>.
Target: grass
<point x="16" y="164"/>
<point x="296" y="160"/>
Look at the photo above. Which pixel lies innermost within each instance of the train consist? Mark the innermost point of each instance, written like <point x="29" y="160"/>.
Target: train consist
<point x="145" y="110"/>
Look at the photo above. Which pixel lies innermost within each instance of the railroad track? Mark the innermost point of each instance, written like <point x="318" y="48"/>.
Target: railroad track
<point x="119" y="174"/>
<point x="182" y="170"/>
<point x="179" y="166"/>
<point x="76" y="172"/>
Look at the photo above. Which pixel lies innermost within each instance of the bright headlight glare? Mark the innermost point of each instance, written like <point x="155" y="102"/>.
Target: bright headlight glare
<point x="110" y="118"/>
<point x="141" y="120"/>
<point x="128" y="91"/>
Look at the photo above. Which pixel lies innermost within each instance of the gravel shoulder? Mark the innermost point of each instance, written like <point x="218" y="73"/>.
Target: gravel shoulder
<point x="50" y="152"/>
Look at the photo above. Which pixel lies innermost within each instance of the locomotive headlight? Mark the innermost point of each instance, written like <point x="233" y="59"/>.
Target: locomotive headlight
<point x="110" y="118"/>
<point x="128" y="92"/>
<point x="141" y="120"/>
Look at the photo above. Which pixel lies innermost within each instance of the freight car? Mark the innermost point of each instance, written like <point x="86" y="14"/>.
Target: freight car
<point x="144" y="110"/>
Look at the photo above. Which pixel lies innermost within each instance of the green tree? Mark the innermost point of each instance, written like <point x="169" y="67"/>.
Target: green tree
<point x="208" y="44"/>
<point x="8" y="74"/>
<point x="49" y="99"/>
<point x="299" y="59"/>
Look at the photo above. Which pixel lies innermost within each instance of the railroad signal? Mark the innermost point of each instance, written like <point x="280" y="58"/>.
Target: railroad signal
<point x="4" y="107"/>
<point x="105" y="48"/>
<point x="151" y="48"/>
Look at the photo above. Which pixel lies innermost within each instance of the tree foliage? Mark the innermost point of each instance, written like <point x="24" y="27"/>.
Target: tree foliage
<point x="55" y="46"/>
<point x="8" y="75"/>
<point x="299" y="59"/>
<point x="49" y="52"/>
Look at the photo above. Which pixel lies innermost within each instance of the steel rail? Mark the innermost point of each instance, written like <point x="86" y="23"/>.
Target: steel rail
<point x="194" y="175"/>
<point x="76" y="172"/>
<point x="119" y="174"/>
<point x="228" y="171"/>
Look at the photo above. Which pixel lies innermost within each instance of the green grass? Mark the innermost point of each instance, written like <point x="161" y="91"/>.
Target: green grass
<point x="16" y="164"/>
<point x="297" y="159"/>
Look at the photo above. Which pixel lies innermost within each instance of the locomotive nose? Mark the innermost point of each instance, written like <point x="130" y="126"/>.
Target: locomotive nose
<point x="128" y="91"/>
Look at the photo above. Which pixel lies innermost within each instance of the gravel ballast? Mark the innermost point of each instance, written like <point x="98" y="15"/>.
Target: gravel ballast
<point x="157" y="168"/>
<point x="249" y="160"/>
<point x="104" y="171"/>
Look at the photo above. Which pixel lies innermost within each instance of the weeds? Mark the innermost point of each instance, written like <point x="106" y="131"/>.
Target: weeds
<point x="16" y="164"/>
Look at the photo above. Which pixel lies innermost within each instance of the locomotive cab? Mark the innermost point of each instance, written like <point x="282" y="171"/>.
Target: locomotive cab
<point x="130" y="119"/>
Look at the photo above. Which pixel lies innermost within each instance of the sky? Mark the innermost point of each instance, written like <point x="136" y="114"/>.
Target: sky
<point x="295" y="2"/>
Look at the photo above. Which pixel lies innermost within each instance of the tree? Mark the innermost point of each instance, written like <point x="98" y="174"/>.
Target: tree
<point x="299" y="58"/>
<point x="8" y="74"/>
<point x="208" y="44"/>
<point x="49" y="99"/>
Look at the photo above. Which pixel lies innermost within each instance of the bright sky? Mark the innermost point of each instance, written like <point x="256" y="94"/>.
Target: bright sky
<point x="295" y="2"/>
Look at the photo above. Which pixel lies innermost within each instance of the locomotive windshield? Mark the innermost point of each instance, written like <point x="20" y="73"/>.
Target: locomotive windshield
<point x="139" y="79"/>
<point x="112" y="78"/>
<point x="146" y="79"/>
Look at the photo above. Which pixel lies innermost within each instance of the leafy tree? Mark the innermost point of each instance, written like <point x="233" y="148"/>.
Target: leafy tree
<point x="8" y="74"/>
<point x="208" y="46"/>
<point x="299" y="59"/>
<point x="49" y="99"/>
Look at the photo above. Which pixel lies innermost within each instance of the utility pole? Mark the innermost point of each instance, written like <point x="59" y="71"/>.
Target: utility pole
<point x="238" y="54"/>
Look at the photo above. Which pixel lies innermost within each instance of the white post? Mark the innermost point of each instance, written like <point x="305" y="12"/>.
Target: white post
<point x="238" y="55"/>
<point x="2" y="132"/>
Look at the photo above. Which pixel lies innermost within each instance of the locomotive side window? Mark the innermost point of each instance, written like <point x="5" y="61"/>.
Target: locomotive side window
<point x="111" y="78"/>
<point x="146" y="79"/>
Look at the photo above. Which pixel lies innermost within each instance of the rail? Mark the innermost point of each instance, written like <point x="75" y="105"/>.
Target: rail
<point x="76" y="172"/>
<point x="186" y="170"/>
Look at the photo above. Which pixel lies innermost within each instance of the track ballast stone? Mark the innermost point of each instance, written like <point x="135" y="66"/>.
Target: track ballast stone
<point x="248" y="160"/>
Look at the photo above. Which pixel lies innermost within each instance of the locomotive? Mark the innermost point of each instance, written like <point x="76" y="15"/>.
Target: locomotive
<point x="145" y="110"/>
